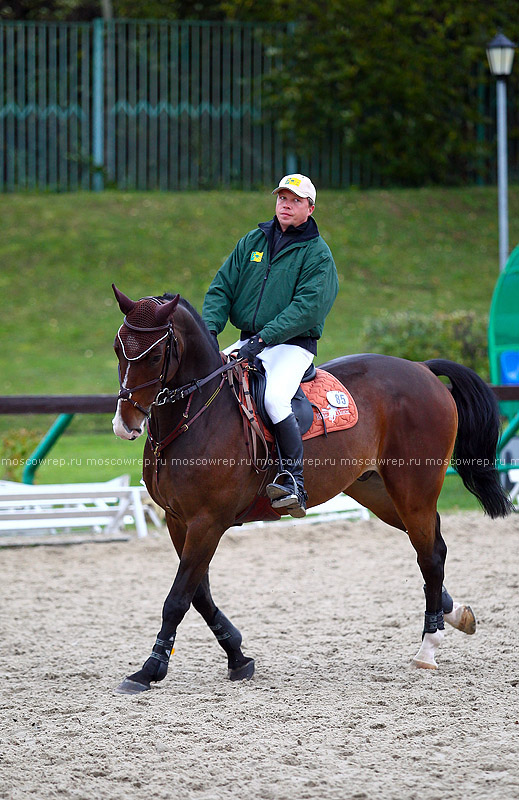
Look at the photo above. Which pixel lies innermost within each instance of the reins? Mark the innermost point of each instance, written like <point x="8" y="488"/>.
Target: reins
<point x="182" y="427"/>
<point x="166" y="395"/>
<point x="172" y="395"/>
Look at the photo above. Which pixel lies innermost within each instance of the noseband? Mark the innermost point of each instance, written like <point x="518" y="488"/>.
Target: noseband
<point x="125" y="393"/>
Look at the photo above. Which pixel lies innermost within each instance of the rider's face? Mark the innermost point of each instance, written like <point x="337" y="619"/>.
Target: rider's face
<point x="291" y="209"/>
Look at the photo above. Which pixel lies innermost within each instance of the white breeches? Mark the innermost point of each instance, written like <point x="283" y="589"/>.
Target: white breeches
<point x="285" y="365"/>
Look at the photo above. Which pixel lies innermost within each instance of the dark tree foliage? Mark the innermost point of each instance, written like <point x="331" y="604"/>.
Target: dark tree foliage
<point x="50" y="10"/>
<point x="209" y="10"/>
<point x="81" y="10"/>
<point x="400" y="82"/>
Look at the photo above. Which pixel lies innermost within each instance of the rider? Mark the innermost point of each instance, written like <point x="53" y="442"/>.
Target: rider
<point x="277" y="287"/>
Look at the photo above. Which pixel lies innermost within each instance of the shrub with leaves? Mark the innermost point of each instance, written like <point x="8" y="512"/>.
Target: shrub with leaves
<point x="15" y="449"/>
<point x="459" y="336"/>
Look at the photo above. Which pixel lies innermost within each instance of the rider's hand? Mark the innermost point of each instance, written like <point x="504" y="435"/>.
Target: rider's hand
<point x="251" y="348"/>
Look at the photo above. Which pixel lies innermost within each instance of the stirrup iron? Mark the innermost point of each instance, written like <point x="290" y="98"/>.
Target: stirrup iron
<point x="277" y="491"/>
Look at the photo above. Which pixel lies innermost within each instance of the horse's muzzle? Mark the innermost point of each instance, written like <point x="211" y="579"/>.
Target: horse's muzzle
<point x="122" y="430"/>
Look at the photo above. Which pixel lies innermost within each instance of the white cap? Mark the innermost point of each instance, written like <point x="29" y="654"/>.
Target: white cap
<point x="298" y="184"/>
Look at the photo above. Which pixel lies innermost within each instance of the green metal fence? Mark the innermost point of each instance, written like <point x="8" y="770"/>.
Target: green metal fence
<point x="45" y="105"/>
<point x="183" y="106"/>
<point x="145" y="105"/>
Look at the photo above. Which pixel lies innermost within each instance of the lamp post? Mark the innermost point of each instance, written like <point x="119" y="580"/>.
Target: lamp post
<point x="500" y="54"/>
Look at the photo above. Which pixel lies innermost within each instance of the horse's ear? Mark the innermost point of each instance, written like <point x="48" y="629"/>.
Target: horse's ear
<point x="125" y="304"/>
<point x="163" y="312"/>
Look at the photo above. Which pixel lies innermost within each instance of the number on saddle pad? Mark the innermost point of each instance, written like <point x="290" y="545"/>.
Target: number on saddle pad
<point x="338" y="399"/>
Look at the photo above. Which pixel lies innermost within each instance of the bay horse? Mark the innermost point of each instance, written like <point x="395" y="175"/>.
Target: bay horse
<point x="197" y="465"/>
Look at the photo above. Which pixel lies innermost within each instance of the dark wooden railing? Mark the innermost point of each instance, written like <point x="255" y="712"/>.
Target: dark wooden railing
<point x="510" y="392"/>
<point x="58" y="404"/>
<point x="106" y="403"/>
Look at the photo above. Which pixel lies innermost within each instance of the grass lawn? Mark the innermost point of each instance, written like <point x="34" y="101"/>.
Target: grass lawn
<point x="426" y="249"/>
<point x="422" y="249"/>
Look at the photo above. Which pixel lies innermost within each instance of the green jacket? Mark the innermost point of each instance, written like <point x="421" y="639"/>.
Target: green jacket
<point x="280" y="299"/>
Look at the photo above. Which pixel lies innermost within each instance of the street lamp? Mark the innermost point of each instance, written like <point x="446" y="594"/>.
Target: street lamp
<point x="500" y="54"/>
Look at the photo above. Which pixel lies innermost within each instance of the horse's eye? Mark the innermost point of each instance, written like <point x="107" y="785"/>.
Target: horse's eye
<point x="155" y="359"/>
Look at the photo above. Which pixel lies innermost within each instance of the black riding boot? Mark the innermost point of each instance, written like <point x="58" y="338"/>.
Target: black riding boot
<point x="287" y="493"/>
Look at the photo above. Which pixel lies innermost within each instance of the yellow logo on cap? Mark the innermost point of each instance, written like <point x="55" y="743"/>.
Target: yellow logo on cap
<point x="295" y="181"/>
<point x="256" y="256"/>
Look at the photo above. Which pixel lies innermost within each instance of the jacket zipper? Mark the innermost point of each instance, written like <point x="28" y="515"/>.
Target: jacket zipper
<point x="260" y="296"/>
<point x="290" y="247"/>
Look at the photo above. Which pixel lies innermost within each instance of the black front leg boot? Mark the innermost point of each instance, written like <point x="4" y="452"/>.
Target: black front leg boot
<point x="433" y="622"/>
<point x="229" y="638"/>
<point x="155" y="668"/>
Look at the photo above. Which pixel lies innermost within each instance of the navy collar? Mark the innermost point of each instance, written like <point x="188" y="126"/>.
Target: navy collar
<point x="303" y="233"/>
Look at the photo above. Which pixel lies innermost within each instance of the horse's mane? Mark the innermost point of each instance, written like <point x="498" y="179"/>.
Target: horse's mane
<point x="196" y="316"/>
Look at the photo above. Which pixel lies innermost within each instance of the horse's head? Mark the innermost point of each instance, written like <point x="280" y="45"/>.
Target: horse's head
<point x="147" y="349"/>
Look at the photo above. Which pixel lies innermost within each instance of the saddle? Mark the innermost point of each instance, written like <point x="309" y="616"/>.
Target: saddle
<point x="321" y="406"/>
<point x="301" y="406"/>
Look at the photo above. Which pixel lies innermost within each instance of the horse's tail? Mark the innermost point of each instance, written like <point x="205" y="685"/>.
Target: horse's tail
<point x="478" y="432"/>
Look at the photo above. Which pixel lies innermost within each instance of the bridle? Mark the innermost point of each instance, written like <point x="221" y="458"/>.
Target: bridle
<point x="164" y="395"/>
<point x="125" y="393"/>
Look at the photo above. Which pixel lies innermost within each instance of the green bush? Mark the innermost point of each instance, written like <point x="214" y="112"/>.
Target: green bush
<point x="15" y="449"/>
<point x="459" y="336"/>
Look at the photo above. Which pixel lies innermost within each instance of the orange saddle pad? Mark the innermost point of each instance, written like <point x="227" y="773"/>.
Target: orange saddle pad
<point x="332" y="403"/>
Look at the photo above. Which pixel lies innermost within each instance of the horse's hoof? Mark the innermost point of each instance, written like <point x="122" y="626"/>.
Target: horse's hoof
<point x="131" y="687"/>
<point x="243" y="673"/>
<point x="421" y="664"/>
<point x="462" y="617"/>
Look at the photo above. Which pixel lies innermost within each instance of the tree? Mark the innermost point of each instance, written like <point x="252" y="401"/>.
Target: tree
<point x="398" y="83"/>
<point x="80" y="10"/>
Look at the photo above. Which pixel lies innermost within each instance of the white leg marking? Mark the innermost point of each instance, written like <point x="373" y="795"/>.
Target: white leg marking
<point x="425" y="657"/>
